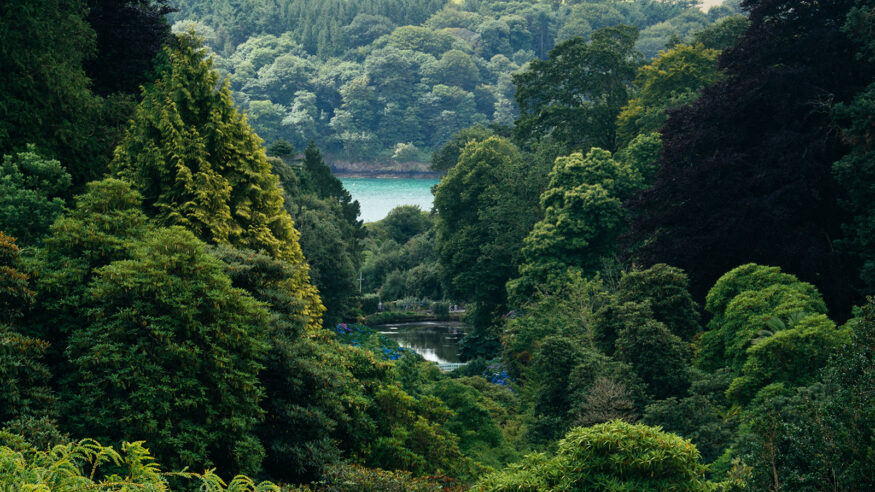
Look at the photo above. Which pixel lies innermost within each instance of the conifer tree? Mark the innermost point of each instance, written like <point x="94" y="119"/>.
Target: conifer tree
<point x="198" y="164"/>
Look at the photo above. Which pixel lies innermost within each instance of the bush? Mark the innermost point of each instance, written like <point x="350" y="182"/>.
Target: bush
<point x="355" y="478"/>
<point x="441" y="309"/>
<point x="610" y="456"/>
<point x="370" y="303"/>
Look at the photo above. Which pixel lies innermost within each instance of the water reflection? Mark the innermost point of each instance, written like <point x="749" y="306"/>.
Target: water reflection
<point x="437" y="341"/>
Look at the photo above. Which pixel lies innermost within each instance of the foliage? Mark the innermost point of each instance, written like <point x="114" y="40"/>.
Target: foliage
<point x="583" y="217"/>
<point x="128" y="36"/>
<point x="665" y="288"/>
<point x="406" y="269"/>
<point x="610" y="456"/>
<point x="745" y="174"/>
<point x="153" y="363"/>
<point x="199" y="165"/>
<point x="403" y="222"/>
<point x="791" y="356"/>
<point x="658" y="356"/>
<point x="303" y="379"/>
<point x="568" y="311"/>
<point x="44" y="94"/>
<point x="667" y="82"/>
<point x="31" y="191"/>
<point x="25" y="392"/>
<point x="448" y="154"/>
<point x="855" y="173"/>
<point x="87" y="465"/>
<point x="700" y="417"/>
<point x="327" y="218"/>
<point x="356" y="478"/>
<point x="484" y="211"/>
<point x="576" y="95"/>
<point x="103" y="227"/>
<point x="741" y="302"/>
<point x="370" y="303"/>
<point x="723" y="33"/>
<point x="367" y="79"/>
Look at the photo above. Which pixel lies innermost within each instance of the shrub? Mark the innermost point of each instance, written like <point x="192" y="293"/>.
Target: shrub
<point x="612" y="456"/>
<point x="370" y="303"/>
<point x="441" y="309"/>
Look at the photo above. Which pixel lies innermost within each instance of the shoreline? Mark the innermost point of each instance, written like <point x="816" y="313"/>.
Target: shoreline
<point x="387" y="174"/>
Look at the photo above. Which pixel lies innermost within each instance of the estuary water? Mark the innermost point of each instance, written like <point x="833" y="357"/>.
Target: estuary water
<point x="377" y="196"/>
<point x="437" y="341"/>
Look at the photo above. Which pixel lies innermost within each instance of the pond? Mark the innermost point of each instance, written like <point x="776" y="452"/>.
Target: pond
<point x="437" y="341"/>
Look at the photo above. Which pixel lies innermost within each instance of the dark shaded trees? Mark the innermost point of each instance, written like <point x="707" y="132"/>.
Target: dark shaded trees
<point x="129" y="35"/>
<point x="25" y="392"/>
<point x="171" y="353"/>
<point x="746" y="170"/>
<point x="44" y="92"/>
<point x="31" y="191"/>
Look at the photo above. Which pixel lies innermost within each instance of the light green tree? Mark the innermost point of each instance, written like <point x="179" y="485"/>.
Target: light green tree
<point x="583" y="216"/>
<point x="614" y="456"/>
<point x="670" y="80"/>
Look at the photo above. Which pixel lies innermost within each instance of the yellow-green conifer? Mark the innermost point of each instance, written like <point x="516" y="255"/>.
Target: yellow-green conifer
<point x="198" y="164"/>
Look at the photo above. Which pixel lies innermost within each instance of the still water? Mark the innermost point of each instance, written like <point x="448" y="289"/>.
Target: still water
<point x="377" y="196"/>
<point x="437" y="341"/>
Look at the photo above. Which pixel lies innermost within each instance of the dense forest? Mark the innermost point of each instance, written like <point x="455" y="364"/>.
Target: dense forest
<point x="388" y="82"/>
<point x="658" y="220"/>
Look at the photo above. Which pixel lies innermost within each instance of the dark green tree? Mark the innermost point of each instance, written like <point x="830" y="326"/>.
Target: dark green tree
<point x="31" y="191"/>
<point x="171" y="354"/>
<point x="746" y="171"/>
<point x="576" y="94"/>
<point x="484" y="210"/>
<point x="129" y="35"/>
<point x="103" y="226"/>
<point x="665" y="288"/>
<point x="44" y="92"/>
<point x="25" y="393"/>
<point x="304" y="379"/>
<point x="659" y="357"/>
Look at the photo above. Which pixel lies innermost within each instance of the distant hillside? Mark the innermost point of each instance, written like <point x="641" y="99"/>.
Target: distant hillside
<point x="389" y="81"/>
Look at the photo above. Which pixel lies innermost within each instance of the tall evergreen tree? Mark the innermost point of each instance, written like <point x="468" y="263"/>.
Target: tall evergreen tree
<point x="198" y="164"/>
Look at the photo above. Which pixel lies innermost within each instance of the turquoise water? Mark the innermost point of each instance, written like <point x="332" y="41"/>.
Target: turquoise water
<point x="377" y="196"/>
